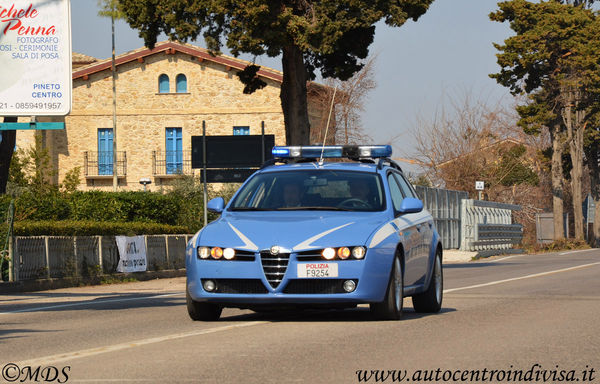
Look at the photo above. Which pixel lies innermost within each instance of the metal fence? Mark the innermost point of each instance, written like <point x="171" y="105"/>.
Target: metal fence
<point x="444" y="206"/>
<point x="486" y="225"/>
<point x="42" y="257"/>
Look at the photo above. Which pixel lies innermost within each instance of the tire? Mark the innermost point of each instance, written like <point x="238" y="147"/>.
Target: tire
<point x="430" y="301"/>
<point x="391" y="306"/>
<point x="202" y="311"/>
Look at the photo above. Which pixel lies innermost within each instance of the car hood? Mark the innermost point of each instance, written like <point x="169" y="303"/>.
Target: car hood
<point x="291" y="230"/>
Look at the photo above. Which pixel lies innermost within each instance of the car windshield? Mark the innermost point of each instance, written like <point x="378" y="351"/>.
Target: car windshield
<point x="311" y="190"/>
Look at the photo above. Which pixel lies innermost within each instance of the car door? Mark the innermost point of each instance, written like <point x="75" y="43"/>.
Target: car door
<point x="424" y="224"/>
<point x="407" y="229"/>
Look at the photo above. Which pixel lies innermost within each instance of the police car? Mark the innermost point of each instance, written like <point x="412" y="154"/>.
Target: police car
<point x="304" y="232"/>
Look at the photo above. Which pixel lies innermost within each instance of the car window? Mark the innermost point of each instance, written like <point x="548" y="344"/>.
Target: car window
<point x="311" y="189"/>
<point x="407" y="191"/>
<point x="395" y="192"/>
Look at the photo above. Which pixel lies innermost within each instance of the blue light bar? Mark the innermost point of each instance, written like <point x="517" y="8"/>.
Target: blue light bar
<point x="329" y="151"/>
<point x="280" y="152"/>
<point x="332" y="151"/>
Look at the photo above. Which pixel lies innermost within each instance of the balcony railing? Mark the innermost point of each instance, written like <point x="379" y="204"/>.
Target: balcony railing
<point x="101" y="163"/>
<point x="166" y="163"/>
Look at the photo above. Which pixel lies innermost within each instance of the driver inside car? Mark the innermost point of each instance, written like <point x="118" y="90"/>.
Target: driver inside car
<point x="359" y="189"/>
<point x="292" y="195"/>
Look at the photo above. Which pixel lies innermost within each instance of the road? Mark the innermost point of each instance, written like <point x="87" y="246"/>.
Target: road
<point x="530" y="315"/>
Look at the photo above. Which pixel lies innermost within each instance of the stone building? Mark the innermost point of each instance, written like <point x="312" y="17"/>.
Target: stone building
<point x="163" y="97"/>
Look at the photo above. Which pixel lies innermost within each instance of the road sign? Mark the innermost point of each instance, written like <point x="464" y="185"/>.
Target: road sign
<point x="479" y="185"/>
<point x="35" y="57"/>
<point x="244" y="151"/>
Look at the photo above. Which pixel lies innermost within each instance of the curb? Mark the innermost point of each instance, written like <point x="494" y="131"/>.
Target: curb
<point x="68" y="282"/>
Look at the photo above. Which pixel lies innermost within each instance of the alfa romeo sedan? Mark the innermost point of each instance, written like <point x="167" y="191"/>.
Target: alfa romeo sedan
<point x="318" y="227"/>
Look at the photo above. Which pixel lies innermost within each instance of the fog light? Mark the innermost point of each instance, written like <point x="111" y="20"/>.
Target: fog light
<point x="203" y="252"/>
<point x="228" y="253"/>
<point x="358" y="252"/>
<point x="349" y="286"/>
<point x="216" y="253"/>
<point x="210" y="286"/>
<point x="328" y="253"/>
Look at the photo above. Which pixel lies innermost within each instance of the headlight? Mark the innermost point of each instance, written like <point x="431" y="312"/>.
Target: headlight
<point x="228" y="253"/>
<point x="358" y="252"/>
<point x="216" y="253"/>
<point x="328" y="253"/>
<point x="343" y="253"/>
<point x="203" y="252"/>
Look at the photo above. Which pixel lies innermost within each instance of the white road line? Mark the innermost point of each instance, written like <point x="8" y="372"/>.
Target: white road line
<point x="505" y="258"/>
<point x="580" y="250"/>
<point x="53" y="359"/>
<point x="90" y="302"/>
<point x="520" y="278"/>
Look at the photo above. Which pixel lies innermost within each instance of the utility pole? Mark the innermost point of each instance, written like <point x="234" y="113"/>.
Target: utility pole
<point x="114" y="89"/>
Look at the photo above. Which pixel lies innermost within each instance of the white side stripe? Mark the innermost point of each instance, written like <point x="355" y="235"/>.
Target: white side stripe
<point x="247" y="243"/>
<point x="307" y="243"/>
<point x="382" y="234"/>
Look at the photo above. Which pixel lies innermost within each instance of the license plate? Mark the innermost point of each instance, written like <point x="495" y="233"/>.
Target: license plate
<point x="313" y="270"/>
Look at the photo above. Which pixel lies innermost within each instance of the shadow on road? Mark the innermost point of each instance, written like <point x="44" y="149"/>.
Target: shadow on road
<point x="317" y="315"/>
<point x="476" y="265"/>
<point x="110" y="301"/>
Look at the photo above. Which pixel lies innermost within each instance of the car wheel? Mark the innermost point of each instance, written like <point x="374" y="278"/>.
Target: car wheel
<point x="202" y="311"/>
<point x="391" y="306"/>
<point x="430" y="301"/>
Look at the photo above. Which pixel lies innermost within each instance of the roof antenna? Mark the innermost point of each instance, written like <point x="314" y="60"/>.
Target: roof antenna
<point x="327" y="126"/>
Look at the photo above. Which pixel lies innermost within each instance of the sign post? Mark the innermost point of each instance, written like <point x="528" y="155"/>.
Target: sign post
<point x="479" y="186"/>
<point x="35" y="57"/>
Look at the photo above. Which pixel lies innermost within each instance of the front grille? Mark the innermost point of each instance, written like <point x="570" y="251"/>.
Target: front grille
<point x="274" y="266"/>
<point x="316" y="286"/>
<point x="238" y="286"/>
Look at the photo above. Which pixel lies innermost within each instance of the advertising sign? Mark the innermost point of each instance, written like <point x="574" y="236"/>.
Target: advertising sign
<point x="132" y="254"/>
<point x="35" y="57"/>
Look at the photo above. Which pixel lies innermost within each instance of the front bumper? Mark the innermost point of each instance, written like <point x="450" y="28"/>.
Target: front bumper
<point x="245" y="283"/>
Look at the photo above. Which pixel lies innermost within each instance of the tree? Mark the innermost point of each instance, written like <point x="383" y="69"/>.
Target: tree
<point x="330" y="36"/>
<point x="345" y="125"/>
<point x="554" y="59"/>
<point x="471" y="139"/>
<point x="476" y="141"/>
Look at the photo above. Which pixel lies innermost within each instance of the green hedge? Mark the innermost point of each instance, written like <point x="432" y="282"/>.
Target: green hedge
<point x="94" y="228"/>
<point x="125" y="206"/>
<point x="100" y="206"/>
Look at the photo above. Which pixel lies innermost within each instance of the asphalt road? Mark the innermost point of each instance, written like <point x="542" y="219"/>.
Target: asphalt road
<point x="536" y="316"/>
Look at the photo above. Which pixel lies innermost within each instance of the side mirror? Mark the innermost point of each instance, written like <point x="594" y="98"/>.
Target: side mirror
<point x="216" y="205"/>
<point x="411" y="205"/>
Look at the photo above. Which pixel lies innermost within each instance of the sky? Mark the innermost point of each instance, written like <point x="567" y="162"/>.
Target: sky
<point x="419" y="67"/>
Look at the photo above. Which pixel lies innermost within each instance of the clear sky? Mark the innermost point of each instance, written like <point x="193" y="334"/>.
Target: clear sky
<point x="447" y="52"/>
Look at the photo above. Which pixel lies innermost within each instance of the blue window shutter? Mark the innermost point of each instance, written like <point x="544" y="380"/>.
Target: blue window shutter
<point x="105" y="151"/>
<point x="181" y="83"/>
<point x="163" y="83"/>
<point x="242" y="130"/>
<point x="174" y="150"/>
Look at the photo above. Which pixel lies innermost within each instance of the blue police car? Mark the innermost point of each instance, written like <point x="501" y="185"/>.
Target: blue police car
<point x="303" y="232"/>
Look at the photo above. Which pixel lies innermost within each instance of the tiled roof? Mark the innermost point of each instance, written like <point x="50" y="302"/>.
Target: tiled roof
<point x="172" y="47"/>
<point x="80" y="58"/>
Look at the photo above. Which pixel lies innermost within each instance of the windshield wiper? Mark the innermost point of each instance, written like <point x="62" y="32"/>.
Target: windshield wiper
<point x="312" y="209"/>
<point x="250" y="209"/>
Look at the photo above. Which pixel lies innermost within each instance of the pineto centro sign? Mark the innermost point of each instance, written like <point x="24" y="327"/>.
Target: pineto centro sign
<point x="35" y="58"/>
